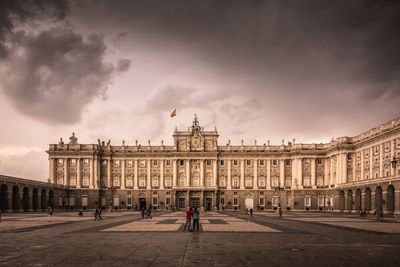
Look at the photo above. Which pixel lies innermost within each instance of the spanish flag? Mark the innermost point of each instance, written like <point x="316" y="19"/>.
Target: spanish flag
<point x="173" y="114"/>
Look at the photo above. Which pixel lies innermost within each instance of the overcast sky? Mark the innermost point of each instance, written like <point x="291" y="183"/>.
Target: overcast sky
<point x="257" y="70"/>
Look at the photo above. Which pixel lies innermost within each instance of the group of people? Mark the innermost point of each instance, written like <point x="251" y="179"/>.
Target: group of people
<point x="363" y="213"/>
<point x="192" y="214"/>
<point x="378" y="214"/>
<point x="97" y="214"/>
<point x="146" y="213"/>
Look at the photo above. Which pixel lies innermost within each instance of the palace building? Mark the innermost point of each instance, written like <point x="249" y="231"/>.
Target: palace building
<point x="346" y="174"/>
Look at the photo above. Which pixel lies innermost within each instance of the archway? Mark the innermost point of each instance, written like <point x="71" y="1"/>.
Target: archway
<point x="43" y="200"/>
<point x="341" y="200"/>
<point x="367" y="201"/>
<point x="51" y="199"/>
<point x="349" y="200"/>
<point x="378" y="198"/>
<point x="4" y="197"/>
<point x="25" y="199"/>
<point x="15" y="198"/>
<point x="390" y="199"/>
<point x="358" y="199"/>
<point x="35" y="199"/>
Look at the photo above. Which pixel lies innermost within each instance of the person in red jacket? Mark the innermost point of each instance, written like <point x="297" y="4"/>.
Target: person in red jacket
<point x="189" y="214"/>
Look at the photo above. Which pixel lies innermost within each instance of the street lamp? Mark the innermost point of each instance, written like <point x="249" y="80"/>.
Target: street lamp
<point x="394" y="162"/>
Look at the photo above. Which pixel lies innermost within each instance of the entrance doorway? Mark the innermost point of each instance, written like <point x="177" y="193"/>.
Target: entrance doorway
<point x="181" y="203"/>
<point x="208" y="203"/>
<point x="248" y="204"/>
<point x="142" y="203"/>
<point x="194" y="202"/>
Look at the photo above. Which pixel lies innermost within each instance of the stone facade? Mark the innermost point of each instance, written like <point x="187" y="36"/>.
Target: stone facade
<point x="346" y="174"/>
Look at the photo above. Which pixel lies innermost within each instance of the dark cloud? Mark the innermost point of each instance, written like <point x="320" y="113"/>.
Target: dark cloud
<point x="123" y="65"/>
<point x="54" y="74"/>
<point x="18" y="12"/>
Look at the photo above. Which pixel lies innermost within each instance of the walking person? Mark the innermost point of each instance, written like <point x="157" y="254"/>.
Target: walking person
<point x="188" y="219"/>
<point x="99" y="215"/>
<point x="196" y="218"/>
<point x="95" y="213"/>
<point x="142" y="213"/>
<point x="251" y="212"/>
<point x="280" y="212"/>
<point x="148" y="214"/>
<point x="50" y="211"/>
<point x="380" y="215"/>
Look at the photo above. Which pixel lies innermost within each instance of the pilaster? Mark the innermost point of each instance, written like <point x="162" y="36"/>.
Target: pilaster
<point x="51" y="170"/>
<point x="242" y="174"/>
<point x="229" y="182"/>
<point x="187" y="172"/>
<point x="78" y="173"/>
<point x="202" y="172"/>
<point x="255" y="181"/>
<point x="268" y="174"/>
<point x="282" y="172"/>
<point x="123" y="174"/>
<point x="214" y="173"/>
<point x="136" y="178"/>
<point x="148" y="183"/>
<point x="313" y="176"/>
<point x="161" y="174"/>
<point x="174" y="173"/>
<point x="65" y="172"/>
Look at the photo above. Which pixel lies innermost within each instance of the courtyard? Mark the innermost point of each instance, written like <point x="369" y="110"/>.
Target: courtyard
<point x="225" y="239"/>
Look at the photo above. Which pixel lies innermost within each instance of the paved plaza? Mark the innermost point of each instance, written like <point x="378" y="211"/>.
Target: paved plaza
<point x="225" y="239"/>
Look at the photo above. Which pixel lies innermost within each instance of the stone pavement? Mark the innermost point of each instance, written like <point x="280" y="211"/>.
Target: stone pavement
<point x="228" y="239"/>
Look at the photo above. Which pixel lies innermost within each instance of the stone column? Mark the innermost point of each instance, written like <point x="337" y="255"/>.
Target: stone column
<point x="202" y="173"/>
<point x="174" y="173"/>
<point x="122" y="174"/>
<point x="187" y="172"/>
<point x="392" y="170"/>
<point x="90" y="173"/>
<point x="135" y="178"/>
<point x="282" y="172"/>
<point x="161" y="174"/>
<point x="331" y="174"/>
<point x="255" y="181"/>
<point x="354" y="157"/>
<point x="51" y="170"/>
<point x="362" y="200"/>
<point x="96" y="173"/>
<point x="242" y="174"/>
<point x="109" y="173"/>
<point x="338" y="168"/>
<point x="344" y="168"/>
<point x="313" y="176"/>
<point x="326" y="171"/>
<point x="268" y="174"/>
<point x="381" y="161"/>
<point x="215" y="173"/>
<point x="362" y="165"/>
<point x="397" y="201"/>
<point x="66" y="172"/>
<point x="148" y="184"/>
<point x="229" y="181"/>
<point x="294" y="171"/>
<point x="371" y="163"/>
<point x="78" y="173"/>
<point x="300" y="173"/>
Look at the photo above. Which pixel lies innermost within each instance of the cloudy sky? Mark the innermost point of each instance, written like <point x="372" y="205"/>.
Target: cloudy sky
<point x="257" y="70"/>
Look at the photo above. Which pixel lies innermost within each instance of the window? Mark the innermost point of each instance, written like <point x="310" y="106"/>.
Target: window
<point x="222" y="182"/>
<point x="129" y="163"/>
<point x="249" y="182"/>
<point x="181" y="162"/>
<point x="274" y="162"/>
<point x="85" y="180"/>
<point x="60" y="161"/>
<point x="182" y="181"/>
<point x="306" y="161"/>
<point x="275" y="183"/>
<point x="142" y="181"/>
<point x="208" y="162"/>
<point x="248" y="162"/>
<point x="168" y="182"/>
<point x="222" y="200"/>
<point x="116" y="163"/>
<point x="261" y="201"/>
<point x="288" y="202"/>
<point x="116" y="181"/>
<point x="154" y="181"/>
<point x="287" y="162"/>
<point x="235" y="182"/>
<point x="84" y="201"/>
<point x="366" y="177"/>
<point x="104" y="162"/>
<point x="235" y="162"/>
<point x="307" y="201"/>
<point x="142" y="163"/>
<point x="349" y="156"/>
<point x="319" y="161"/>
<point x="358" y="155"/>
<point x="155" y="201"/>
<point x="376" y="175"/>
<point x="73" y="161"/>
<point x="261" y="182"/>
<point x="235" y="193"/>
<point x="235" y="201"/>
<point x="168" y="162"/>
<point x="387" y="174"/>
<point x="129" y="180"/>
<point x="387" y="146"/>
<point x="222" y="162"/>
<point x="366" y="153"/>
<point x="262" y="162"/>
<point x="129" y="201"/>
<point x="376" y="149"/>
<point x="321" y="202"/>
<point x="275" y="201"/>
<point x="168" y="201"/>
<point x="155" y="162"/>
<point x="262" y="193"/>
